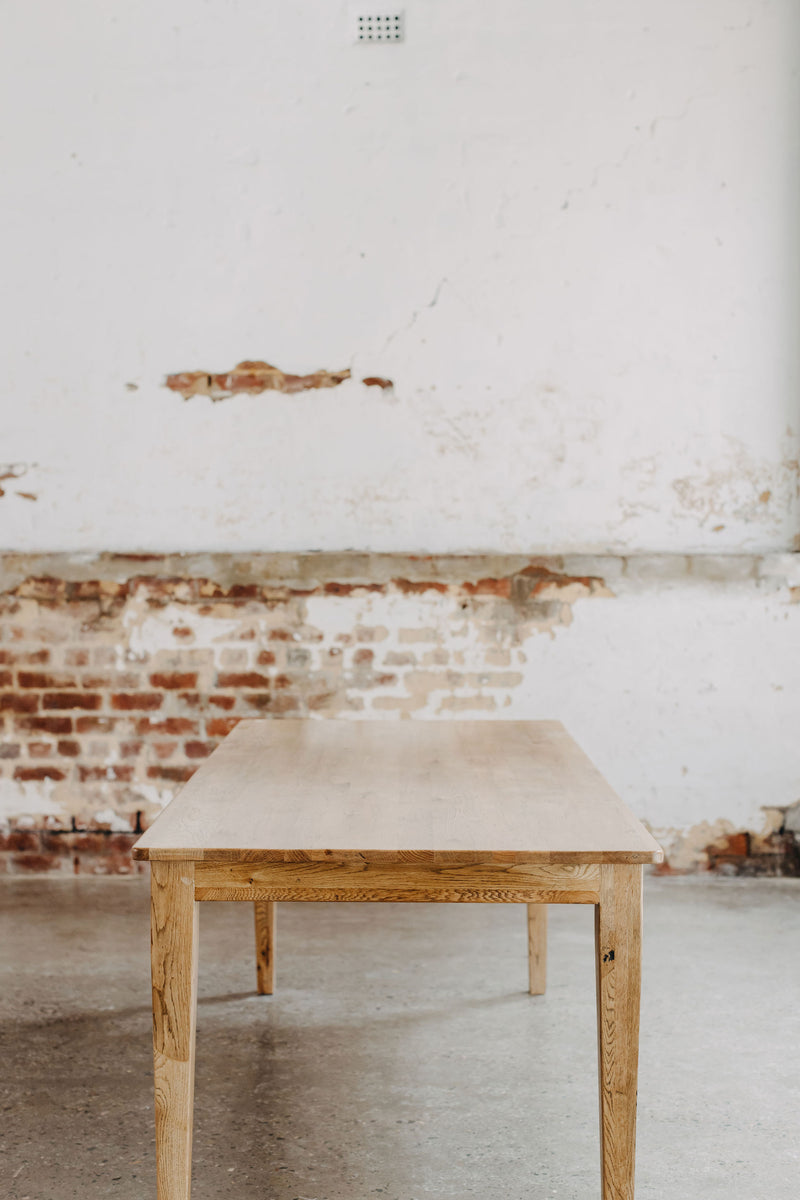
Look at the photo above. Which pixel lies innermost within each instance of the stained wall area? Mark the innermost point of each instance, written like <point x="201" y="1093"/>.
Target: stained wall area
<point x="469" y="363"/>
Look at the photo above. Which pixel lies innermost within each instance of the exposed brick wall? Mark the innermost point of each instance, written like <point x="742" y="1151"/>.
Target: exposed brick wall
<point x="120" y="674"/>
<point x="114" y="689"/>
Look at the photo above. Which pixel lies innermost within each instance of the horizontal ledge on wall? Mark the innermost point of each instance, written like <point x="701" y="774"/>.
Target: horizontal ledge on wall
<point x="348" y="570"/>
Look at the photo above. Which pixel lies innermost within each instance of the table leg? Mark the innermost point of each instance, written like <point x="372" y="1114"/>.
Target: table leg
<point x="173" y="942"/>
<point x="618" y="938"/>
<point x="537" y="948"/>
<point x="265" y="946"/>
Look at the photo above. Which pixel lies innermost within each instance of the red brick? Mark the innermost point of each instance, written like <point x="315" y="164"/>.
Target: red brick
<point x="44" y="588"/>
<point x="85" y="843"/>
<point x="221" y="726"/>
<point x="242" y="679"/>
<point x="6" y="679"/>
<point x="190" y="699"/>
<point x="13" y="702"/>
<point x="176" y="726"/>
<point x="29" y="657"/>
<point x="39" y="749"/>
<point x="76" y="658"/>
<point x="322" y="700"/>
<point x="198" y="749"/>
<point x="121" y="771"/>
<point x="97" y="589"/>
<point x="36" y="862"/>
<point x="34" y="773"/>
<point x="95" y="725"/>
<point x="122" y="841"/>
<point x="281" y="635"/>
<point x="284" y="703"/>
<point x="130" y="749"/>
<point x="173" y="680"/>
<point x="121" y="679"/>
<point x="85" y="700"/>
<point x="225" y="702"/>
<point x="182" y="631"/>
<point x="45" y="724"/>
<point x="260" y="700"/>
<point x="363" y="656"/>
<point x="282" y="681"/>
<point x="9" y="750"/>
<point x="22" y="840"/>
<point x="57" y="841"/>
<point x="265" y="658"/>
<point x="43" y="679"/>
<point x="164" y="749"/>
<point x="136" y="700"/>
<point x="69" y="748"/>
<point x="173" y="774"/>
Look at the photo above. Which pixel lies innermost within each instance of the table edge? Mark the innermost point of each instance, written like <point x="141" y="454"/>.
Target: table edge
<point x="228" y="854"/>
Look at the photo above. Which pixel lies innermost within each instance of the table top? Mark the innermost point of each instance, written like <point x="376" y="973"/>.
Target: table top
<point x="436" y="791"/>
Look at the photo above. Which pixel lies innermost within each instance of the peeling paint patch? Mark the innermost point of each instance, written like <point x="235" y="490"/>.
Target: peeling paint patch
<point x="250" y="378"/>
<point x="746" y="853"/>
<point x="15" y="471"/>
<point x="723" y="849"/>
<point x="741" y="488"/>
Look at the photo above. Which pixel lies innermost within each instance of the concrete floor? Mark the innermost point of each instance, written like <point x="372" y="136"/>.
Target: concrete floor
<point x="401" y="1056"/>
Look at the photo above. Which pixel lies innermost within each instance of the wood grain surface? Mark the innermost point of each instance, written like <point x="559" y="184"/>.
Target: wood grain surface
<point x="265" y="919"/>
<point x="618" y="950"/>
<point x="519" y="790"/>
<point x="537" y="949"/>
<point x="174" y="943"/>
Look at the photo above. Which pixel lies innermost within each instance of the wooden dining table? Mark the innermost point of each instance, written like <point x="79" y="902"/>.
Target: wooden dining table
<point x="498" y="812"/>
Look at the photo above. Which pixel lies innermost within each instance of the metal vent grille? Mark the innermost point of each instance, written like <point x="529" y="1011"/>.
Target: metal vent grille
<point x="379" y="27"/>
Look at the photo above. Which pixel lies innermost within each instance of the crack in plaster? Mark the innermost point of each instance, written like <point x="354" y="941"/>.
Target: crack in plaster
<point x="417" y="314"/>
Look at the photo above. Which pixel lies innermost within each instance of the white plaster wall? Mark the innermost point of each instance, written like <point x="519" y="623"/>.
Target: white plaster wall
<point x="567" y="231"/>
<point x="686" y="696"/>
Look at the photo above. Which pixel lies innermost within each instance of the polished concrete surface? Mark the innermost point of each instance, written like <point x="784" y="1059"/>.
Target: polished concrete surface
<point x="401" y="1056"/>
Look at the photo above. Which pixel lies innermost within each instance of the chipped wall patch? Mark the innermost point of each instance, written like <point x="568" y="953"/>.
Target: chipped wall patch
<point x="15" y="471"/>
<point x="250" y="378"/>
<point x="741" y="488"/>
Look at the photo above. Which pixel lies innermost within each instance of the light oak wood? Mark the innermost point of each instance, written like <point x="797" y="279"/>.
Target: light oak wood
<point x="265" y="946"/>
<point x="174" y="943"/>
<point x="618" y="937"/>
<point x="537" y="948"/>
<point x="500" y="812"/>
<point x="398" y="895"/>
<point x="357" y="879"/>
<point x="522" y="790"/>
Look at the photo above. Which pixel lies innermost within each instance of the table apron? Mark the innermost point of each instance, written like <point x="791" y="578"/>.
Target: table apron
<point x="357" y="880"/>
